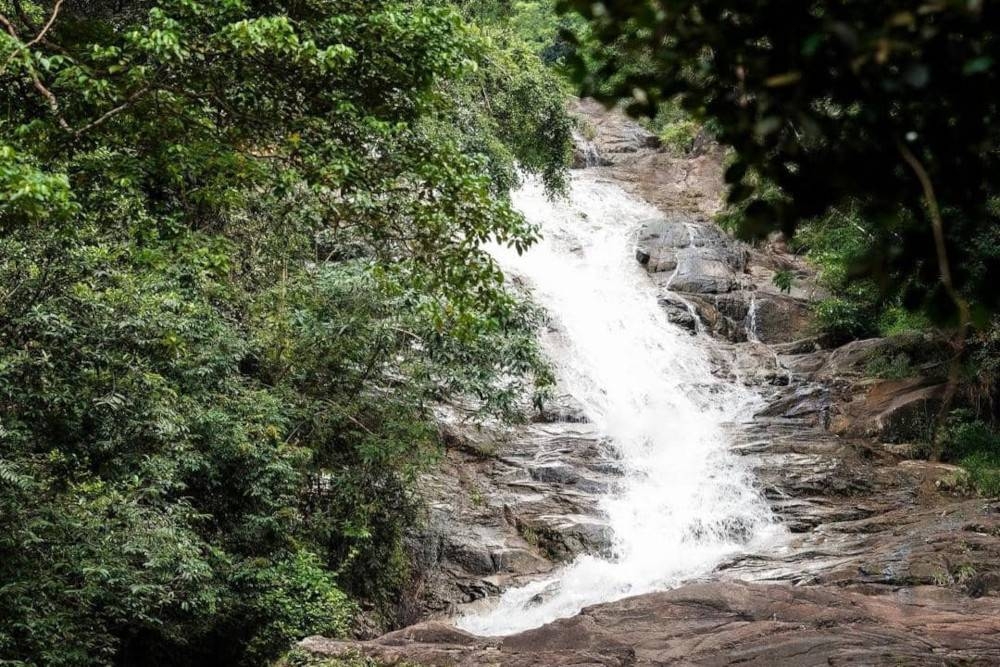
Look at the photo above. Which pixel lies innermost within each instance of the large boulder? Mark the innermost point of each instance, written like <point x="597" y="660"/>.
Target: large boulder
<point x="704" y="271"/>
<point x="755" y="364"/>
<point x="892" y="410"/>
<point x="658" y="243"/>
<point x="924" y="354"/>
<point x="742" y="315"/>
<point x="723" y="315"/>
<point x="775" y="319"/>
<point x="693" y="256"/>
<point x="679" y="313"/>
<point x="561" y="409"/>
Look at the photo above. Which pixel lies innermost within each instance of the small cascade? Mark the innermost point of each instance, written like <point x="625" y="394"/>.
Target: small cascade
<point x="750" y="323"/>
<point x="591" y="155"/>
<point x="588" y="155"/>
<point x="699" y="326"/>
<point x="750" y="326"/>
<point x="693" y="234"/>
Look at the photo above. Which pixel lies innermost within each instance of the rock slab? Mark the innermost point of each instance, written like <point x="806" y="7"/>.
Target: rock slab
<point x="721" y="623"/>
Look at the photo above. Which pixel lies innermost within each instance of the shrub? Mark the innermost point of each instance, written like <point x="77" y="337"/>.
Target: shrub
<point x="976" y="447"/>
<point x="896" y="320"/>
<point x="847" y="317"/>
<point x="894" y="367"/>
<point x="984" y="472"/>
<point x="676" y="129"/>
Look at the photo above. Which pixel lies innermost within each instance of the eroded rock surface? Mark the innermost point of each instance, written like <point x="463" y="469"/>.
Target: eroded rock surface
<point x="722" y="623"/>
<point x="503" y="509"/>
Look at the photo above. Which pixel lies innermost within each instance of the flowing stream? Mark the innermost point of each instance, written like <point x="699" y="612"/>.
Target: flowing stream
<point x="685" y="502"/>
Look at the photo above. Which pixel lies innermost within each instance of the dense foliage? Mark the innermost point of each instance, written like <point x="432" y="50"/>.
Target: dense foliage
<point x="856" y="307"/>
<point x="882" y="108"/>
<point x="533" y="22"/>
<point x="239" y="265"/>
<point x="974" y="445"/>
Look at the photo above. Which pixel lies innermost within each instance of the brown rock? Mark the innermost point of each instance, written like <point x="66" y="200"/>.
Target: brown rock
<point x="892" y="410"/>
<point x="781" y="319"/>
<point x="723" y="623"/>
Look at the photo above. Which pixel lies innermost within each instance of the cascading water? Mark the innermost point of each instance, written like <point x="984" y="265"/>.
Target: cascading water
<point x="751" y="320"/>
<point x="685" y="502"/>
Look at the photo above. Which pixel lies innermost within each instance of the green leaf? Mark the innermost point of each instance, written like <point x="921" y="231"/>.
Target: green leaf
<point x="977" y="65"/>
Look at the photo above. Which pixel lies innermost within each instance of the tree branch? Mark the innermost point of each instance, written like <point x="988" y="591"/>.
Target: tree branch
<point x="23" y="15"/>
<point x="48" y="24"/>
<point x="112" y="112"/>
<point x="49" y="97"/>
<point x="964" y="312"/>
<point x="30" y="66"/>
<point x="35" y="40"/>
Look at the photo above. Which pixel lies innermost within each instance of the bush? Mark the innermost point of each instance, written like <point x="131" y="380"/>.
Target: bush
<point x="984" y="472"/>
<point x="983" y="372"/>
<point x="300" y="658"/>
<point x="972" y="444"/>
<point x="895" y="367"/>
<point x="896" y="320"/>
<point x="838" y="246"/>
<point x="844" y="318"/>
<point x="966" y="435"/>
<point x="680" y="136"/>
<point x="676" y="129"/>
<point x="292" y="598"/>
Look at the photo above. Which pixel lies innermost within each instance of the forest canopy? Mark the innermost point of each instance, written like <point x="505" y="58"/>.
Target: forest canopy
<point x="239" y="264"/>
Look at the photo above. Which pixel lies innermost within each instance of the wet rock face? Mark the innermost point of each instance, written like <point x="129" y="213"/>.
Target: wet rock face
<point x="780" y="319"/>
<point x="507" y="507"/>
<point x="896" y="409"/>
<point x="924" y="354"/>
<point x="700" y="258"/>
<point x="860" y="513"/>
<point x="562" y="408"/>
<point x="680" y="313"/>
<point x="609" y="138"/>
<point x="722" y="623"/>
<point x="704" y="271"/>
<point x="685" y="253"/>
<point x="659" y="242"/>
<point x="893" y="411"/>
<point x="706" y="280"/>
<point x="586" y="154"/>
<point x="886" y="561"/>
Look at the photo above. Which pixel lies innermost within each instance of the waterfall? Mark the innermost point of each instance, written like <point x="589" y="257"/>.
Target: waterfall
<point x="685" y="502"/>
<point x="589" y="155"/>
<point x="751" y="320"/>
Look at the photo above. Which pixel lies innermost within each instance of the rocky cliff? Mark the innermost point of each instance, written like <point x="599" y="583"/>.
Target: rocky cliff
<point x="890" y="559"/>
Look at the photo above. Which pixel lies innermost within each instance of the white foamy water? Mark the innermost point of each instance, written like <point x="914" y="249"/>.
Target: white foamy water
<point x="685" y="502"/>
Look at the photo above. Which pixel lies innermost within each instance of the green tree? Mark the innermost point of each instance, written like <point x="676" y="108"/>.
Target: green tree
<point x="886" y="108"/>
<point x="240" y="264"/>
